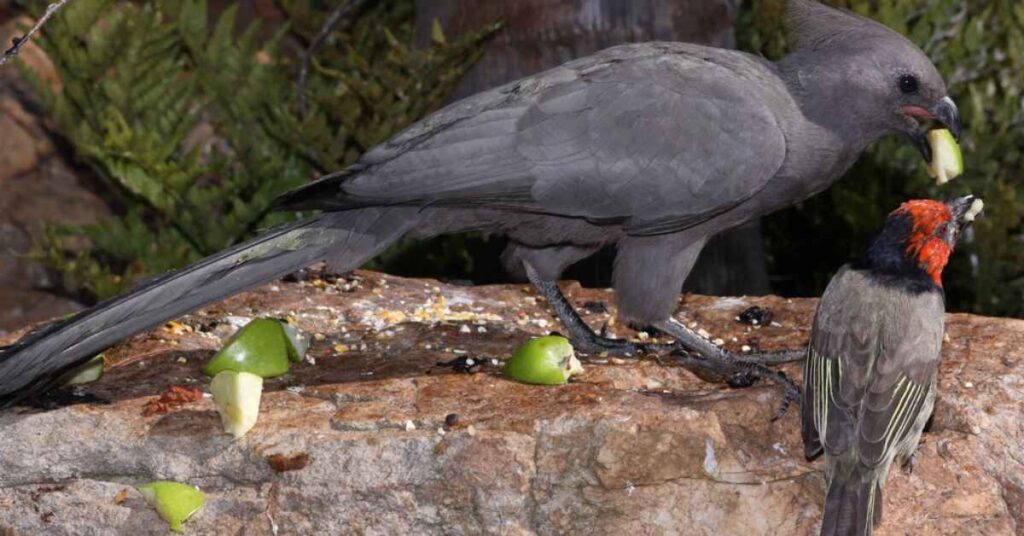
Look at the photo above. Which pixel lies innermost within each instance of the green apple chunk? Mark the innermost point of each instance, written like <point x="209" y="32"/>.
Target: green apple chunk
<point x="237" y="397"/>
<point x="947" y="161"/>
<point x="175" y="502"/>
<point x="87" y="372"/>
<point x="262" y="347"/>
<point x="546" y="360"/>
<point x="298" y="342"/>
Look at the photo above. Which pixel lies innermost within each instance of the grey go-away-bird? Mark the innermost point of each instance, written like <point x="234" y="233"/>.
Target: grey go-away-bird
<point x="653" y="148"/>
<point x="870" y="373"/>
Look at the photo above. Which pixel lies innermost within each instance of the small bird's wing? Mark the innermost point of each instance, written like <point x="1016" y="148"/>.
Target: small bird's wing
<point x="871" y="365"/>
<point x="657" y="137"/>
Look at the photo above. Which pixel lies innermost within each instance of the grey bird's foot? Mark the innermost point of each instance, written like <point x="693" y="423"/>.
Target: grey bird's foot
<point x="705" y="357"/>
<point x="737" y="371"/>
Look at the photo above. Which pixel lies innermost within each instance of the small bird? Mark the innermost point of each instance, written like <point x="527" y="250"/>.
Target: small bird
<point x="870" y="372"/>
<point x="651" y="148"/>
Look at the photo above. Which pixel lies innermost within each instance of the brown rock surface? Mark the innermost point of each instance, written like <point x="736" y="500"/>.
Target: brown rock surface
<point x="631" y="448"/>
<point x="38" y="185"/>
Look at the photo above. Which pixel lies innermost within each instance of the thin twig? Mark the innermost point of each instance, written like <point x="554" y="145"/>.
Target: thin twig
<point x="19" y="42"/>
<point x="332" y="20"/>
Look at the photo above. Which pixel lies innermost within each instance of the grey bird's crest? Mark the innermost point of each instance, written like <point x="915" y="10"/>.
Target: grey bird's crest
<point x="815" y="27"/>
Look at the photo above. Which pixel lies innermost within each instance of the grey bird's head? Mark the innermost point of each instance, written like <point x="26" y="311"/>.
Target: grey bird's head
<point x="859" y="76"/>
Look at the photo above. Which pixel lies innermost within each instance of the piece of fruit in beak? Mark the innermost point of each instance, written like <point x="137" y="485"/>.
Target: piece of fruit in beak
<point x="947" y="161"/>
<point x="237" y="397"/>
<point x="976" y="207"/>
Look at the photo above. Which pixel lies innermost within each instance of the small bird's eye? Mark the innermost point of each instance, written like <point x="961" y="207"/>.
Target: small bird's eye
<point x="908" y="84"/>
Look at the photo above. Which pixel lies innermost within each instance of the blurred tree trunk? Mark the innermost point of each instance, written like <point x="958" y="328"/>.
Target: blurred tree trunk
<point x="539" y="34"/>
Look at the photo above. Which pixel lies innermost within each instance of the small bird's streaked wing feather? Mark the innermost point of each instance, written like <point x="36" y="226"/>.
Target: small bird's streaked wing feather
<point x="871" y="366"/>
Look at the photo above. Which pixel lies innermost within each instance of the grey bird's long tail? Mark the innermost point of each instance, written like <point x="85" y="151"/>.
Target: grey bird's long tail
<point x="344" y="239"/>
<point x="853" y="505"/>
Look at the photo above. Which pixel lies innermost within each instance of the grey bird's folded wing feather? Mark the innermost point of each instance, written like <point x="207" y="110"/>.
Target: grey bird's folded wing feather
<point x="870" y="368"/>
<point x="658" y="137"/>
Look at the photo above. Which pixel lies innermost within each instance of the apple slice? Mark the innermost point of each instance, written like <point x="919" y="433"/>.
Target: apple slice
<point x="261" y="347"/>
<point x="546" y="360"/>
<point x="87" y="372"/>
<point x="947" y="160"/>
<point x="237" y="397"/>
<point x="175" y="502"/>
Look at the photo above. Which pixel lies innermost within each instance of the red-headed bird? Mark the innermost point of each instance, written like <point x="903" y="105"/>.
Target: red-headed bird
<point x="870" y="373"/>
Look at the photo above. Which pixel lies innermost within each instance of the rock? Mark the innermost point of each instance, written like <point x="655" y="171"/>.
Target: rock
<point x="636" y="448"/>
<point x="38" y="185"/>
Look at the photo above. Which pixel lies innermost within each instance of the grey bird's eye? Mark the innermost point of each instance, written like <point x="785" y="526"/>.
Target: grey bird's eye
<point x="908" y="84"/>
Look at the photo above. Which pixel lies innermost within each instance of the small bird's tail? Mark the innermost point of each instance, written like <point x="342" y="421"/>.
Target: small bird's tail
<point x="345" y="240"/>
<point x="853" y="505"/>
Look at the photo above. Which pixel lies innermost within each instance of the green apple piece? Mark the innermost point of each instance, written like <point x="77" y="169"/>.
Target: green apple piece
<point x="237" y="397"/>
<point x="260" y="347"/>
<point x="947" y="161"/>
<point x="175" y="502"/>
<point x="546" y="360"/>
<point x="87" y="372"/>
<point x="298" y="342"/>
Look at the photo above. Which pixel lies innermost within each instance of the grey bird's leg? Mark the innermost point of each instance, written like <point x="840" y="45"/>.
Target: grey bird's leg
<point x="582" y="337"/>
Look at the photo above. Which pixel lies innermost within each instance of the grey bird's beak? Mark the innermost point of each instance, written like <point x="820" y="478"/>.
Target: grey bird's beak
<point x="946" y="113"/>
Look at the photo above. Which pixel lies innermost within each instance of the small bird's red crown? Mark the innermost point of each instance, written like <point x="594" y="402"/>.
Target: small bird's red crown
<point x="924" y="245"/>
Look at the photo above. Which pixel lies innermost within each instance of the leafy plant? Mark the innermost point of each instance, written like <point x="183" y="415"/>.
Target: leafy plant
<point x="979" y="47"/>
<point x="194" y="129"/>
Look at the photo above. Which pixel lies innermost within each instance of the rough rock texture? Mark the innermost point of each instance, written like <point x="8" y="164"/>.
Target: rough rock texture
<point x="631" y="448"/>
<point x="38" y="185"/>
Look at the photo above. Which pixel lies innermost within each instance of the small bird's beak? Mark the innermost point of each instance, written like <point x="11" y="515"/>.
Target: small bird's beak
<point x="945" y="112"/>
<point x="964" y="211"/>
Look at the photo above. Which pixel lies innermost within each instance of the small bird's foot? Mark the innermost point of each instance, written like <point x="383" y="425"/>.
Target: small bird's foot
<point x="910" y="464"/>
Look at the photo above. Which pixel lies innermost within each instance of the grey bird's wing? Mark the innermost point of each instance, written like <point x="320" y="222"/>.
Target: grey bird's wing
<point x="656" y="137"/>
<point x="870" y="367"/>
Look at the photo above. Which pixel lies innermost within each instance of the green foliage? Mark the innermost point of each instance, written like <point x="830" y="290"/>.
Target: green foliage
<point x="978" y="46"/>
<point x="194" y="127"/>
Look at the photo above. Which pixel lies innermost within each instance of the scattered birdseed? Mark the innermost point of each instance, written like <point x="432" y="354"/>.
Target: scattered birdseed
<point x="703" y="333"/>
<point x="745" y="348"/>
<point x="410" y="426"/>
<point x="182" y="360"/>
<point x="451" y="420"/>
<point x="718" y="342"/>
<point x="470" y="430"/>
<point x="464" y="329"/>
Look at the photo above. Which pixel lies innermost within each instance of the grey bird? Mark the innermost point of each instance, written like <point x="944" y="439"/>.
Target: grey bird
<point x="653" y="148"/>
<point x="870" y="372"/>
